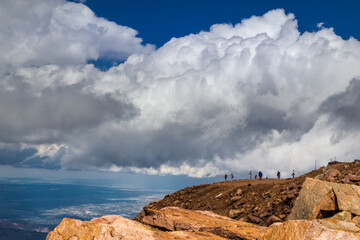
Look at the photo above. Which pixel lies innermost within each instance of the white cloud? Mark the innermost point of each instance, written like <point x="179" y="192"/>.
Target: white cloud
<point x="60" y="32"/>
<point x="320" y="25"/>
<point x="239" y="97"/>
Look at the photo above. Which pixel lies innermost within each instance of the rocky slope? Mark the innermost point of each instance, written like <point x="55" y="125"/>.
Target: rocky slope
<point x="323" y="204"/>
<point x="168" y="223"/>
<point x="257" y="201"/>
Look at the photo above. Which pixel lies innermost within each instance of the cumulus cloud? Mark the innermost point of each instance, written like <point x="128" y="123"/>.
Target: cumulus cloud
<point x="60" y="32"/>
<point x="255" y="95"/>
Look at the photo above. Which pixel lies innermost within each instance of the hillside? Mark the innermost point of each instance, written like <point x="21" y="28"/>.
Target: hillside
<point x="327" y="207"/>
<point x="257" y="201"/>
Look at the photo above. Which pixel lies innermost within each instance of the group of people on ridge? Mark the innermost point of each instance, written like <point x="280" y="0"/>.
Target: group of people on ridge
<point x="277" y="174"/>
<point x="260" y="174"/>
<point x="231" y="175"/>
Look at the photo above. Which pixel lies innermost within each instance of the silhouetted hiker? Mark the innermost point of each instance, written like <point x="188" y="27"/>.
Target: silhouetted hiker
<point x="260" y="175"/>
<point x="250" y="173"/>
<point x="226" y="177"/>
<point x="278" y="174"/>
<point x="232" y="176"/>
<point x="293" y="174"/>
<point x="255" y="177"/>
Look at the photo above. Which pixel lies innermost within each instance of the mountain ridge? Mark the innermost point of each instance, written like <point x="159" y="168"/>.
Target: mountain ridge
<point x="324" y="204"/>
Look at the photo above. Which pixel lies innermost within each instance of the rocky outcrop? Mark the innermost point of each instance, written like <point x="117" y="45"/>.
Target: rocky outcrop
<point x="341" y="173"/>
<point x="243" y="199"/>
<point x="177" y="223"/>
<point x="167" y="223"/>
<point x="107" y="227"/>
<point x="339" y="225"/>
<point x="343" y="216"/>
<point x="117" y="227"/>
<point x="319" y="199"/>
<point x="179" y="219"/>
<point x="321" y="210"/>
<point x="314" y="196"/>
<point x="330" y="206"/>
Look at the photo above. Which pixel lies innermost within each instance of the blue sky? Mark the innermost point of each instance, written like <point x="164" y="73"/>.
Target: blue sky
<point x="194" y="88"/>
<point x="158" y="21"/>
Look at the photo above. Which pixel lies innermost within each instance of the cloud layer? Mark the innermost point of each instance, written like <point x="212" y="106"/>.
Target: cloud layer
<point x="255" y="95"/>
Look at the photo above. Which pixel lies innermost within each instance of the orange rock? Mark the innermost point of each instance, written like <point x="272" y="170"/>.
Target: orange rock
<point x="304" y="230"/>
<point x="117" y="227"/>
<point x="200" y="221"/>
<point x="354" y="178"/>
<point x="317" y="195"/>
<point x="272" y="219"/>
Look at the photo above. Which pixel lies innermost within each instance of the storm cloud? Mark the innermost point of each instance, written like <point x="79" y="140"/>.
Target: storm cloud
<point x="344" y="107"/>
<point x="56" y="112"/>
<point x="258" y="93"/>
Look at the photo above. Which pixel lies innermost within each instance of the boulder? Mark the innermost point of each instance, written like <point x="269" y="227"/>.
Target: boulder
<point x="348" y="197"/>
<point x="235" y="199"/>
<point x="332" y="174"/>
<point x="264" y="214"/>
<point x="158" y="219"/>
<point x="356" y="220"/>
<point x="304" y="230"/>
<point x="106" y="228"/>
<point x="342" y="216"/>
<point x="354" y="178"/>
<point x="254" y="219"/>
<point x="234" y="213"/>
<point x="174" y="218"/>
<point x="317" y="197"/>
<point x="272" y="219"/>
<point x="339" y="225"/>
<point x="117" y="227"/>
<point x="314" y="196"/>
<point x="346" y="179"/>
<point x="238" y="192"/>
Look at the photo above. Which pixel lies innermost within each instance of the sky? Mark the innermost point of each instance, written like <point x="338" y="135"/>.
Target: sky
<point x="188" y="88"/>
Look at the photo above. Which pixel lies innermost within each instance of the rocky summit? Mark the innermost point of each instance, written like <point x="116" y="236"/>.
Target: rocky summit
<point x="323" y="204"/>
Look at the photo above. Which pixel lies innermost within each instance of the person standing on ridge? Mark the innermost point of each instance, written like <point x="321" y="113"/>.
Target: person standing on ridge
<point x="250" y="173"/>
<point x="232" y="176"/>
<point x="293" y="174"/>
<point x="226" y="177"/>
<point x="278" y="174"/>
<point x="255" y="176"/>
<point x="260" y="175"/>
